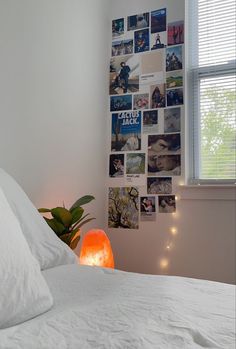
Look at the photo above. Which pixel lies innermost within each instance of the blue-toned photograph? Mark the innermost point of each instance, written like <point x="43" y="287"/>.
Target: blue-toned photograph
<point x="158" y="21"/>
<point x="138" y="21"/>
<point x="117" y="27"/>
<point x="141" y="40"/>
<point x="174" y="58"/>
<point x="118" y="103"/>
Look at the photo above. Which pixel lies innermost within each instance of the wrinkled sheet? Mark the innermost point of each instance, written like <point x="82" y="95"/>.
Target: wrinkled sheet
<point x="102" y="308"/>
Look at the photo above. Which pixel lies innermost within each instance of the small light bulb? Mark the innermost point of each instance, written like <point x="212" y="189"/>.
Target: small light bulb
<point x="173" y="230"/>
<point x="164" y="263"/>
<point x="176" y="198"/>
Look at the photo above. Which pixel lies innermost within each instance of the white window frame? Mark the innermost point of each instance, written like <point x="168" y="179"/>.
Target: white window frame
<point x="193" y="108"/>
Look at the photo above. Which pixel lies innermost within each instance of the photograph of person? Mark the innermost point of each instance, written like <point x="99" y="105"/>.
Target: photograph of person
<point x="158" y="98"/>
<point x="135" y="163"/>
<point x="121" y="103"/>
<point x="172" y="120"/>
<point x="147" y="208"/>
<point x="159" y="185"/>
<point x="123" y="47"/>
<point x="174" y="58"/>
<point x="116" y="165"/>
<point x="124" y="74"/>
<point x="167" y="204"/>
<point x="164" y="165"/>
<point x="158" y="40"/>
<point x="138" y="21"/>
<point x="141" y="40"/>
<point x="174" y="79"/>
<point x="176" y="33"/>
<point x="117" y="27"/>
<point x="141" y="101"/>
<point x="158" y="21"/>
<point x="166" y="144"/>
<point x="175" y="97"/>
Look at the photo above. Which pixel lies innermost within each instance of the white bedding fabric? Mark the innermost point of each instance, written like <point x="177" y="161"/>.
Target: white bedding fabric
<point x="106" y="309"/>
<point x="24" y="293"/>
<point x="44" y="244"/>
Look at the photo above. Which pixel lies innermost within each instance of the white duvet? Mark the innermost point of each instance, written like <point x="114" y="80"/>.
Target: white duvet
<point x="97" y="308"/>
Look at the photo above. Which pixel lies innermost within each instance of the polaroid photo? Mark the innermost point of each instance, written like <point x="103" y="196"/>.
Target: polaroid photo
<point x="172" y="120"/>
<point x="159" y="185"/>
<point x="116" y="165"/>
<point x="124" y="74"/>
<point x="166" y="204"/>
<point x="147" y="208"/>
<point x="139" y="21"/>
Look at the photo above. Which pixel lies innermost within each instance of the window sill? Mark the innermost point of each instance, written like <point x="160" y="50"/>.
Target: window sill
<point x="224" y="192"/>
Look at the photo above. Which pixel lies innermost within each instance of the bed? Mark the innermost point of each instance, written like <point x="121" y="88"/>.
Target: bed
<point x="104" y="308"/>
<point x="90" y="307"/>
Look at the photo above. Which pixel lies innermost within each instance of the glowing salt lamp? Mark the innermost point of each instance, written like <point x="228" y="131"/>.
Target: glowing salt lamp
<point x="96" y="249"/>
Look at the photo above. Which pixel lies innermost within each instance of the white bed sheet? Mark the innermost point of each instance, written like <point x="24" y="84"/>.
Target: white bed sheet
<point x="102" y="308"/>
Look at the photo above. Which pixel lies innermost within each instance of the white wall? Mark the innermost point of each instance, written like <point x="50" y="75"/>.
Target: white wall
<point x="53" y="93"/>
<point x="204" y="246"/>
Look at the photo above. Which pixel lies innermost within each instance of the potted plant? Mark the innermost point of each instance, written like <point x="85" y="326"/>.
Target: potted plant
<point x="66" y="223"/>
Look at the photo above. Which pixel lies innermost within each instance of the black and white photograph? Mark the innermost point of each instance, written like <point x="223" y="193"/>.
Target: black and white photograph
<point x="117" y="27"/>
<point x="116" y="165"/>
<point x="172" y="120"/>
<point x="166" y="204"/>
<point x="124" y="74"/>
<point x="174" y="59"/>
<point x="135" y="163"/>
<point x="147" y="208"/>
<point x="164" y="165"/>
<point x="150" y="121"/>
<point x="138" y="21"/>
<point x="158" y="40"/>
<point x="158" y="21"/>
<point x="158" y="96"/>
<point x="141" y="40"/>
<point x="122" y="47"/>
<point x="159" y="185"/>
<point x="174" y="97"/>
<point x="118" y="103"/>
<point x="141" y="101"/>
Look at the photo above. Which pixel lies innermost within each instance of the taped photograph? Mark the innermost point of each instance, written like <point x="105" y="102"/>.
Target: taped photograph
<point x="122" y="47"/>
<point x="158" y="21"/>
<point x="172" y="120"/>
<point x="176" y="33"/>
<point x="139" y="21"/>
<point x="158" y="40"/>
<point x="165" y="144"/>
<point x="150" y="121"/>
<point x="164" y="165"/>
<point x="121" y="103"/>
<point x="116" y="165"/>
<point x="141" y="40"/>
<point x="174" y="79"/>
<point x="147" y="208"/>
<point x="135" y="163"/>
<point x="167" y="204"/>
<point x="159" y="185"/>
<point x="174" y="60"/>
<point x="175" y="97"/>
<point x="124" y="74"/>
<point x="117" y="27"/>
<point x="141" y="101"/>
<point x="158" y="96"/>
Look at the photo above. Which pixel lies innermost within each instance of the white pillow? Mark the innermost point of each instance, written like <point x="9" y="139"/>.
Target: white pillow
<point x="23" y="291"/>
<point x="48" y="249"/>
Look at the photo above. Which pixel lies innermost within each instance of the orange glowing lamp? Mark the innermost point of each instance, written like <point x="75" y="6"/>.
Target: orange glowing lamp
<point x="96" y="249"/>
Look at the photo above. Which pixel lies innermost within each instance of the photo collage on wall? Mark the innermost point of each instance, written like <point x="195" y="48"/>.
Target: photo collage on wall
<point x="146" y="99"/>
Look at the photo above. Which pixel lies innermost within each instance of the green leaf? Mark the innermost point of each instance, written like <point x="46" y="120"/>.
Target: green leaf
<point x="44" y="210"/>
<point x="76" y="214"/>
<point x="62" y="215"/>
<point x="82" y="201"/>
<point x="74" y="242"/>
<point x="56" y="226"/>
<point x="84" y="222"/>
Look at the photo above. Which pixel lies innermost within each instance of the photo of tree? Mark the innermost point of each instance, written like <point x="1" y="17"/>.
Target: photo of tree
<point x="123" y="210"/>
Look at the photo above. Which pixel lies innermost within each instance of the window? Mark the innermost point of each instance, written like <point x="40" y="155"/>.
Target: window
<point x="212" y="101"/>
